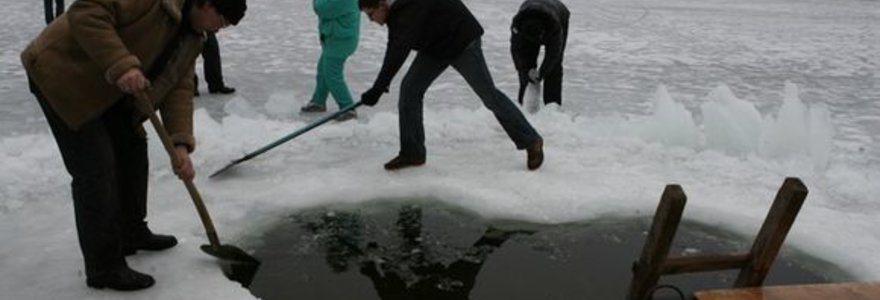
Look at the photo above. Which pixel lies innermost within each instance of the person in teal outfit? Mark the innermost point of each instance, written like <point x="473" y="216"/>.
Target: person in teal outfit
<point x="339" y="30"/>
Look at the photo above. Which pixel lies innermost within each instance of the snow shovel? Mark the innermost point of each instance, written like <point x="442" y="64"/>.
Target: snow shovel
<point x="286" y="138"/>
<point x="237" y="264"/>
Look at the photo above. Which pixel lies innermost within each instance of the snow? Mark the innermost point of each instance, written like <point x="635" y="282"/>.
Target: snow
<point x="726" y="99"/>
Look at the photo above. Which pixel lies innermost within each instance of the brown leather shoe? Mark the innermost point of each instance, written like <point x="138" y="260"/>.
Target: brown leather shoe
<point x="535" y="154"/>
<point x="401" y="162"/>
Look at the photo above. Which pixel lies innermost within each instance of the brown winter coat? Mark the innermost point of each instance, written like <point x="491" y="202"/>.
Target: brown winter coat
<point x="76" y="60"/>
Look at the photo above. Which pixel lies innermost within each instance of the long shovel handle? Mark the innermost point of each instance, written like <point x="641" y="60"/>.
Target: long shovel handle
<point x="286" y="138"/>
<point x="143" y="103"/>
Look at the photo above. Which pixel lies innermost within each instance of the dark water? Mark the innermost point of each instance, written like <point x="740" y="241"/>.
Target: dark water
<point x="432" y="251"/>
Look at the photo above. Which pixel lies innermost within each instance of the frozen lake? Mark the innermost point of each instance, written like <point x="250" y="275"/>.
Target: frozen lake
<point x="613" y="146"/>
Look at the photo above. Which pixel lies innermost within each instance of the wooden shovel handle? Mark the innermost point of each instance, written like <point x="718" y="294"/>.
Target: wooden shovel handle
<point x="144" y="105"/>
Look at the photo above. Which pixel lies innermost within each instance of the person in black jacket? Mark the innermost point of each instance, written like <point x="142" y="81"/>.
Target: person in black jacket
<point x="444" y="33"/>
<point x="540" y="23"/>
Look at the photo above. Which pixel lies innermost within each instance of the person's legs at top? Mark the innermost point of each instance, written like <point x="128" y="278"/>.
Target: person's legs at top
<point x="213" y="66"/>
<point x="59" y="7"/>
<point x="48" y="11"/>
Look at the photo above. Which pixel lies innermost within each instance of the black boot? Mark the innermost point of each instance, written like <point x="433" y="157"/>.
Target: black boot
<point x="222" y="90"/>
<point x="144" y="239"/>
<point x="121" y="279"/>
<point x="401" y="162"/>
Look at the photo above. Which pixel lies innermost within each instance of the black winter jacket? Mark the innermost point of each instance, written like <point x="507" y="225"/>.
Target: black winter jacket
<point x="555" y="17"/>
<point x="439" y="28"/>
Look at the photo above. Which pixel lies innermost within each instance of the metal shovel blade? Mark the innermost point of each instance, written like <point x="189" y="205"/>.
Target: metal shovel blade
<point x="226" y="167"/>
<point x="236" y="264"/>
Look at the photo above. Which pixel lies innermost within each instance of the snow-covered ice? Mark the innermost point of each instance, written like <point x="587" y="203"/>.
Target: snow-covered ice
<point x="725" y="98"/>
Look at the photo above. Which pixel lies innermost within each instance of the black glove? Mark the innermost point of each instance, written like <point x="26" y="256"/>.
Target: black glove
<point x="371" y="96"/>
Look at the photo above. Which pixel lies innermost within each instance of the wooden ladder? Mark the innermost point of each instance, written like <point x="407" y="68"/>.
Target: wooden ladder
<point x="753" y="265"/>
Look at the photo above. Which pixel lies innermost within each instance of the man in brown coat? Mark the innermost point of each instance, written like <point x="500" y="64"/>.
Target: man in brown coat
<point x="83" y="69"/>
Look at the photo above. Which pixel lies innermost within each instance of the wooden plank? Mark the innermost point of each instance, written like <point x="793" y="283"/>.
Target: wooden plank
<point x="704" y="263"/>
<point x="779" y="219"/>
<point x="835" y="291"/>
<point x="646" y="271"/>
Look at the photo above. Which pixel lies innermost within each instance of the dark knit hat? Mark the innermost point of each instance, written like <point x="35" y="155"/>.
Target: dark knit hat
<point x="232" y="10"/>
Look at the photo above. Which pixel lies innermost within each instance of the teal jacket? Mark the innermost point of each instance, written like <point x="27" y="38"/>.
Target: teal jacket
<point x="339" y="24"/>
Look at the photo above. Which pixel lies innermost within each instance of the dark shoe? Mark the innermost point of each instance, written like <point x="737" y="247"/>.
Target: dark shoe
<point x="147" y="240"/>
<point x="535" y="154"/>
<point x="123" y="279"/>
<point x="312" y="107"/>
<point x="349" y="115"/>
<point x="401" y="162"/>
<point x="222" y="90"/>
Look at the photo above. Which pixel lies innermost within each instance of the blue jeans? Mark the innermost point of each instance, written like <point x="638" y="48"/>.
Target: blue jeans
<point x="472" y="66"/>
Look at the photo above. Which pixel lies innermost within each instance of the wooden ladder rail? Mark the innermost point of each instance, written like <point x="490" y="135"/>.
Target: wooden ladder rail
<point x="754" y="265"/>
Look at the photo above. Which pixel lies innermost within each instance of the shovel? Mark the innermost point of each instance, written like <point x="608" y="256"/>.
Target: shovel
<point x="285" y="138"/>
<point x="237" y="264"/>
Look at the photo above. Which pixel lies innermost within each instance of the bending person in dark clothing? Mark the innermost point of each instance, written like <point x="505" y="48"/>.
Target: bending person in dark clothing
<point x="444" y="33"/>
<point x="540" y="23"/>
<point x="83" y="69"/>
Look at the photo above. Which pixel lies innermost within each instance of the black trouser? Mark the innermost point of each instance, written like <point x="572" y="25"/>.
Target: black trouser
<point x="552" y="80"/>
<point x="471" y="64"/>
<point x="211" y="64"/>
<point x="552" y="85"/>
<point x="52" y="13"/>
<point x="107" y="158"/>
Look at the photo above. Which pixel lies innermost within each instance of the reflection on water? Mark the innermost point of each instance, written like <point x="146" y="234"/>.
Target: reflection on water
<point x="430" y="251"/>
<point x="411" y="274"/>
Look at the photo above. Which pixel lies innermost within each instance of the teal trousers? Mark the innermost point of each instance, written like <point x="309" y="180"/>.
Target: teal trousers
<point x="330" y="80"/>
